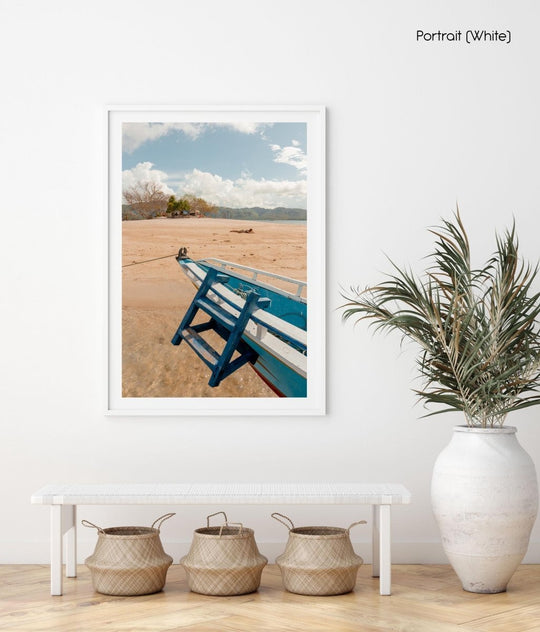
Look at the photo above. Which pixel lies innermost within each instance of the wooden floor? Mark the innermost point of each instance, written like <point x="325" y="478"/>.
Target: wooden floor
<point x="424" y="599"/>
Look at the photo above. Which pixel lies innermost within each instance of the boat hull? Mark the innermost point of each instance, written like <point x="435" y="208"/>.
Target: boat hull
<point x="283" y="380"/>
<point x="278" y="338"/>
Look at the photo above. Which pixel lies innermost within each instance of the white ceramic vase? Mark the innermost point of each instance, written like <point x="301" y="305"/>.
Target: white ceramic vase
<point x="484" y="494"/>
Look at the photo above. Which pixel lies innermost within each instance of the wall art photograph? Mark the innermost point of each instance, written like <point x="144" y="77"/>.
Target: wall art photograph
<point x="216" y="260"/>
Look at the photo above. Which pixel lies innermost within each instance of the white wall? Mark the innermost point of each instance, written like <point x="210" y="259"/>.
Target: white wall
<point x="411" y="130"/>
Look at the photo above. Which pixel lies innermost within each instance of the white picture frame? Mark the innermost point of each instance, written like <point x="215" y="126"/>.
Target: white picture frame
<point x="314" y="401"/>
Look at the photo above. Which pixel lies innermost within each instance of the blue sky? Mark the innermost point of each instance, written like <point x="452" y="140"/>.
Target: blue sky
<point x="239" y="164"/>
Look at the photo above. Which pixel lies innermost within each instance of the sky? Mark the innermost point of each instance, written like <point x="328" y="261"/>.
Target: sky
<point x="239" y="164"/>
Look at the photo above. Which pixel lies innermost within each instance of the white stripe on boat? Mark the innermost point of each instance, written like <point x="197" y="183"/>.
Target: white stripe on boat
<point x="257" y="332"/>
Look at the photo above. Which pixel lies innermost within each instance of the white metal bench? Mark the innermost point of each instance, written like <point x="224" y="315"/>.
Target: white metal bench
<point x="63" y="500"/>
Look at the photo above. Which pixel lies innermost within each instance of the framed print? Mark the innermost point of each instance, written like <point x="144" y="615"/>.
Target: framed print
<point x="216" y="255"/>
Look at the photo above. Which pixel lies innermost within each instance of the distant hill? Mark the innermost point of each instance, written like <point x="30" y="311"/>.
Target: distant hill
<point x="130" y="213"/>
<point x="279" y="213"/>
<point x="258" y="213"/>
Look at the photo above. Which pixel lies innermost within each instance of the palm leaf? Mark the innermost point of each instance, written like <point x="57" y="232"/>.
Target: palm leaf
<point x="477" y="328"/>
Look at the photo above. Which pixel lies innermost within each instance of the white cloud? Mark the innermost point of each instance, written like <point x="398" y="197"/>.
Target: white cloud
<point x="291" y="155"/>
<point x="136" y="134"/>
<point x="144" y="172"/>
<point x="245" y="191"/>
<point x="295" y="143"/>
<point x="244" y="127"/>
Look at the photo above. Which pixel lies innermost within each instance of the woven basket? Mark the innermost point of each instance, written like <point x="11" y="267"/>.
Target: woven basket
<point x="223" y="560"/>
<point x="129" y="560"/>
<point x="318" y="560"/>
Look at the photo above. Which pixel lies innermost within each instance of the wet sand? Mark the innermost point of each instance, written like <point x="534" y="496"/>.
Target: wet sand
<point x="156" y="294"/>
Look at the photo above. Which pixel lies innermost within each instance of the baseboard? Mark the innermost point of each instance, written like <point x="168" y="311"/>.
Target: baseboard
<point x="37" y="552"/>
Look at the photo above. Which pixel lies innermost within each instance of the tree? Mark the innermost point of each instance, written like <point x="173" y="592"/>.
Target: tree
<point x="199" y="206"/>
<point x="146" y="197"/>
<point x="177" y="207"/>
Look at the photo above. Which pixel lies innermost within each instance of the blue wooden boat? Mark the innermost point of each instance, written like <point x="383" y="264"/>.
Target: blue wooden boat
<point x="260" y="316"/>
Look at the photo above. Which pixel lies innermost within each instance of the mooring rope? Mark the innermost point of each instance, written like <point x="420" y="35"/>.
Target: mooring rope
<point x="137" y="263"/>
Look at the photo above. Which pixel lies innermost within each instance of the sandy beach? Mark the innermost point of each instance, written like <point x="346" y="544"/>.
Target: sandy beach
<point x="156" y="294"/>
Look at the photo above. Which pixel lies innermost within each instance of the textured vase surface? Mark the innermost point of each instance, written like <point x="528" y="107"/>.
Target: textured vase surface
<point x="484" y="494"/>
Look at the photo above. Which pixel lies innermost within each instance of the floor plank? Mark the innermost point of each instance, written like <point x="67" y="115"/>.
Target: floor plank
<point x="425" y="598"/>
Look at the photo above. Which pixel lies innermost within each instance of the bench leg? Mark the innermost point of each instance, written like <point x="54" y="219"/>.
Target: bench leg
<point x="375" y="541"/>
<point x="70" y="530"/>
<point x="62" y="521"/>
<point x="381" y="550"/>
<point x="56" y="549"/>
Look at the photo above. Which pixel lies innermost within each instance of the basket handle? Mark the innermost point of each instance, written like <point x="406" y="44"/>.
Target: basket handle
<point x="227" y="524"/>
<point x="161" y="520"/>
<point x="274" y="516"/>
<point x="216" y="514"/>
<point x="354" y="524"/>
<point x="86" y="523"/>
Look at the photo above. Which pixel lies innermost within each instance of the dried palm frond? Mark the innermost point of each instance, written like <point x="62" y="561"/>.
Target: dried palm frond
<point x="477" y="329"/>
